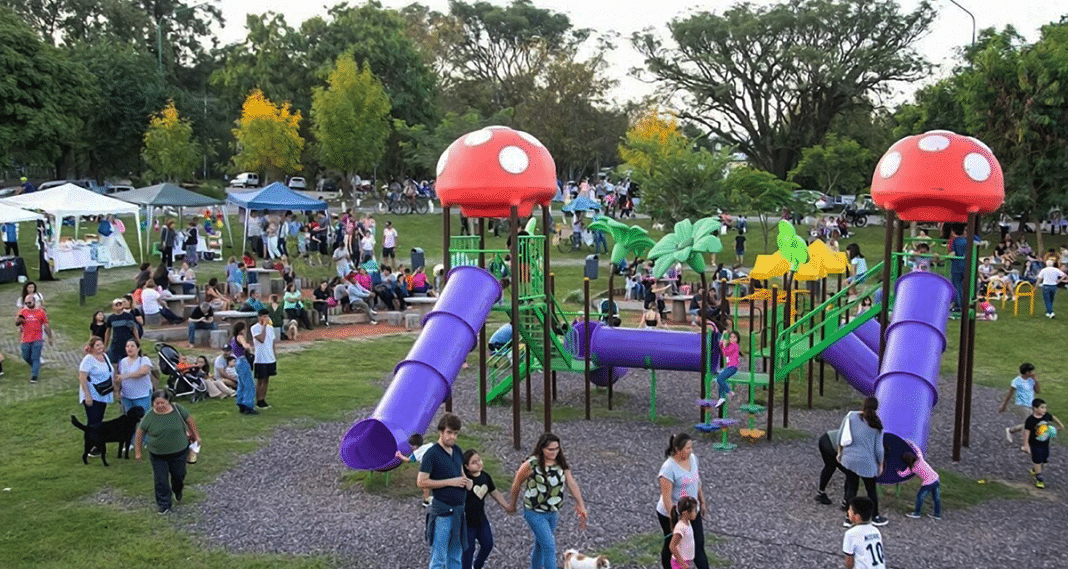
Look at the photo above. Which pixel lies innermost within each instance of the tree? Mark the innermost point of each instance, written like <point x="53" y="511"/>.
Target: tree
<point x="44" y="97"/>
<point x="268" y="137"/>
<point x="421" y="145"/>
<point x="170" y="152"/>
<point x="1016" y="97"/>
<point x="676" y="180"/>
<point x="351" y="118"/>
<point x="839" y="166"/>
<point x="770" y="80"/>
<point x="749" y="189"/>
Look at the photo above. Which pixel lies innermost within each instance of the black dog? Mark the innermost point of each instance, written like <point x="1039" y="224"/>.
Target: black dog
<point x="118" y="430"/>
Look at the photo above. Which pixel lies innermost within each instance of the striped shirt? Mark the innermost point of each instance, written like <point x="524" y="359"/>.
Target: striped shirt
<point x="921" y="468"/>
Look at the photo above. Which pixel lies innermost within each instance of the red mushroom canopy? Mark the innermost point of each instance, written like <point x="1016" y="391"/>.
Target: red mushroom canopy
<point x="938" y="176"/>
<point x="487" y="171"/>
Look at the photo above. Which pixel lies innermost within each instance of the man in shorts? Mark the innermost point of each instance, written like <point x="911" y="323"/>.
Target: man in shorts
<point x="389" y="243"/>
<point x="265" y="365"/>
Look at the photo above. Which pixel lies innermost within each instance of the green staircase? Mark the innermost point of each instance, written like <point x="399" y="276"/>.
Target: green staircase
<point x="532" y="317"/>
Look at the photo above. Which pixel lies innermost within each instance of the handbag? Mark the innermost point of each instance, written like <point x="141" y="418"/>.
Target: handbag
<point x="107" y="386"/>
<point x="331" y="302"/>
<point x="846" y="437"/>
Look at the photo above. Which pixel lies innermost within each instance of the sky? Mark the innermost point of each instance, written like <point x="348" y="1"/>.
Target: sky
<point x="951" y="30"/>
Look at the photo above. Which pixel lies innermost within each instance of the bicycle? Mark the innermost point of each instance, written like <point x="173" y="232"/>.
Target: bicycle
<point x="394" y="205"/>
<point x="568" y="241"/>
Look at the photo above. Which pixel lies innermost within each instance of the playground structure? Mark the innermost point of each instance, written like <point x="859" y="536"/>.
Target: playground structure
<point x="896" y="360"/>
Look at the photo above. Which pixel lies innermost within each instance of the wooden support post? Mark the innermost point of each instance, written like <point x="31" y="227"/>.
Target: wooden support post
<point x="773" y="336"/>
<point x="552" y="291"/>
<point x="546" y="362"/>
<point x="447" y="241"/>
<point x="482" y="355"/>
<point x="517" y="439"/>
<point x="968" y="316"/>
<point x="884" y="312"/>
<point x="705" y="355"/>
<point x="962" y="360"/>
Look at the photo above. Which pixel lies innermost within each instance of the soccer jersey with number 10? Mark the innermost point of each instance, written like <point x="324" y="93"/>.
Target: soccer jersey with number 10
<point x="865" y="544"/>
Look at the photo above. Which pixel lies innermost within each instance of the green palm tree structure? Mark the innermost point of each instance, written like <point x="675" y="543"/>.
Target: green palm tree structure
<point x="791" y="246"/>
<point x="689" y="244"/>
<point x="626" y="240"/>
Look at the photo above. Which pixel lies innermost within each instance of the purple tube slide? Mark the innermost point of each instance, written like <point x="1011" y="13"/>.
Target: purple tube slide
<point x="423" y="380"/>
<point x="855" y="360"/>
<point x="907" y="387"/>
<point x="629" y="347"/>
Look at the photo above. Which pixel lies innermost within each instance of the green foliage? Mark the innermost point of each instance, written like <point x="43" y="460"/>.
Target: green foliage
<point x="839" y="166"/>
<point x="688" y="244"/>
<point x="804" y="63"/>
<point x="626" y="239"/>
<point x="791" y="246"/>
<point x="351" y="119"/>
<point x="677" y="181"/>
<point x="169" y="152"/>
<point x="45" y="96"/>
<point x="422" y="145"/>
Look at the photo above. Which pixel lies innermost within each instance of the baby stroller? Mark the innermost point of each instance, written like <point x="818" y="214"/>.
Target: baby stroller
<point x="182" y="379"/>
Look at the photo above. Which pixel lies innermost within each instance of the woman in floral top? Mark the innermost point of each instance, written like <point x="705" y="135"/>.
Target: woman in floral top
<point x="542" y="478"/>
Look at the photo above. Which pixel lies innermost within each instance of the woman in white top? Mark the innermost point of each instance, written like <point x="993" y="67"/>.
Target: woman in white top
<point x="27" y="289"/>
<point x="96" y="382"/>
<point x="133" y="381"/>
<point x="680" y="476"/>
<point x="1048" y="278"/>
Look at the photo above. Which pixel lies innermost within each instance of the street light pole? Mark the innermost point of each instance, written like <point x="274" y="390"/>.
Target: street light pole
<point x="159" y="29"/>
<point x="970" y="15"/>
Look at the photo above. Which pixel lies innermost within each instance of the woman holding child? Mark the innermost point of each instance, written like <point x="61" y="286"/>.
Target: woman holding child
<point x="680" y="476"/>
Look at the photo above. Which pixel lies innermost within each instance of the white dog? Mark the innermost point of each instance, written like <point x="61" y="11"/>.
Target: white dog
<point x="658" y="226"/>
<point x="575" y="560"/>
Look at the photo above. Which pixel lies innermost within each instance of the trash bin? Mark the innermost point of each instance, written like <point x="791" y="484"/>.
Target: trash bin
<point x="418" y="258"/>
<point x="87" y="284"/>
<point x="591" y="267"/>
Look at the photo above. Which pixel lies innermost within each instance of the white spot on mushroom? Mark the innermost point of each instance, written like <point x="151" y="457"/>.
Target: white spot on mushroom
<point x="934" y="143"/>
<point x="981" y="144"/>
<point x="530" y="138"/>
<point x="889" y="164"/>
<point x="495" y="127"/>
<point x="443" y="161"/>
<point x="939" y="131"/>
<point x="977" y="167"/>
<point x="478" y="137"/>
<point x="513" y="159"/>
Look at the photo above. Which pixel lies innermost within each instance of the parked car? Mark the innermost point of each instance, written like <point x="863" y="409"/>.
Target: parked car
<point x="245" y="180"/>
<point x="326" y="185"/>
<point x="114" y="189"/>
<point x="83" y="183"/>
<point x="297" y="183"/>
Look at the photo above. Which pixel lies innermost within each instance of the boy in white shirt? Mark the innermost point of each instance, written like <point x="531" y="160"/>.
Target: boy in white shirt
<point x="863" y="544"/>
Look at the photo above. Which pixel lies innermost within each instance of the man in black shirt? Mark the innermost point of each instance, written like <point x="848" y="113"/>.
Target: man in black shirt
<point x="202" y="318"/>
<point x="122" y="327"/>
<point x="441" y="471"/>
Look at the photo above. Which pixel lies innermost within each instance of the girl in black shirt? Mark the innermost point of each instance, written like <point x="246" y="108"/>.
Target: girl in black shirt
<point x="478" y="526"/>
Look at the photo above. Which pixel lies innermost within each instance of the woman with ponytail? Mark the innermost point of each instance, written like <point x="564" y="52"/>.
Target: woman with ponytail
<point x="860" y="451"/>
<point x="680" y="477"/>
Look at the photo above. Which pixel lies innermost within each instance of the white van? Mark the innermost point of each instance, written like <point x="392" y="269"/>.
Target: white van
<point x="245" y="180"/>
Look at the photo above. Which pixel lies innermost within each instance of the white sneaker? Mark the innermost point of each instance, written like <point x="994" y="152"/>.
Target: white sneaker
<point x="720" y="402"/>
<point x="1008" y="434"/>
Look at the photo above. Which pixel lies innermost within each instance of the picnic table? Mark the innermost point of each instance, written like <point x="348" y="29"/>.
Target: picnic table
<point x="176" y="302"/>
<point x="679" y="305"/>
<point x="424" y="304"/>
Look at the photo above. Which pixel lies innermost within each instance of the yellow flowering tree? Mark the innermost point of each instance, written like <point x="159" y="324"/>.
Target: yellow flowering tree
<point x="170" y="152"/>
<point x="677" y="180"/>
<point x="268" y="137"/>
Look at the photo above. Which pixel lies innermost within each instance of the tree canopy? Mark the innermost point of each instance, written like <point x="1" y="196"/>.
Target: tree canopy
<point x="770" y="80"/>
<point x="268" y="137"/>
<point x="169" y="150"/>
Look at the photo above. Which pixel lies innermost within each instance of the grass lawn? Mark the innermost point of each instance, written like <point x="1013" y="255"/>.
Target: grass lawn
<point x="51" y="510"/>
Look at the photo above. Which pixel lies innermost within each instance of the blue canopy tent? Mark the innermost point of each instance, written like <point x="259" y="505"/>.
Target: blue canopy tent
<point x="274" y="197"/>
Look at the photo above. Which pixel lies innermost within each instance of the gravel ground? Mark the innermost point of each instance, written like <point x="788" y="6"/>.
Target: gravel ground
<point x="286" y="497"/>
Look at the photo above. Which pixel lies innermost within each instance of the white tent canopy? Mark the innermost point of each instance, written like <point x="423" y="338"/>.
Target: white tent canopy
<point x="12" y="214"/>
<point x="73" y="200"/>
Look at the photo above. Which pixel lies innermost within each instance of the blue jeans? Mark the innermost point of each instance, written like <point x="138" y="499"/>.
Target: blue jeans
<point x="599" y="242"/>
<point x="246" y="384"/>
<point x="194" y="326"/>
<point x="958" y="286"/>
<point x="142" y="402"/>
<point x="721" y="380"/>
<point x="445" y="553"/>
<point x="542" y="525"/>
<point x="934" y="489"/>
<point x="483" y="534"/>
<point x="31" y="354"/>
<point x="1048" y="292"/>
